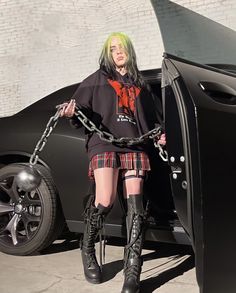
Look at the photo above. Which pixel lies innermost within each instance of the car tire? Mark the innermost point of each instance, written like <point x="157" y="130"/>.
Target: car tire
<point x="29" y="221"/>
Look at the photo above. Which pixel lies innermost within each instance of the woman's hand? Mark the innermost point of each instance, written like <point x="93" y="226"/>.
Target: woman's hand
<point x="68" y="109"/>
<point x="162" y="139"/>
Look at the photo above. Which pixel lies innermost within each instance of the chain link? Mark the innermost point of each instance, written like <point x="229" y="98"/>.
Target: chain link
<point x="162" y="153"/>
<point x="108" y="137"/>
<point x="42" y="141"/>
<point x="153" y="134"/>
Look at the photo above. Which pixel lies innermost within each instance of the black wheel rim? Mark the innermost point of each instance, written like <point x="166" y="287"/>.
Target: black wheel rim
<point x="20" y="212"/>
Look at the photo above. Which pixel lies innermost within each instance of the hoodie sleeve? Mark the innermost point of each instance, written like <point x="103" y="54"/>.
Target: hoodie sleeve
<point x="149" y="111"/>
<point x="83" y="98"/>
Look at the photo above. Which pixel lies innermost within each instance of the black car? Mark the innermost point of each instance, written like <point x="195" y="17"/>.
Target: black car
<point x="187" y="197"/>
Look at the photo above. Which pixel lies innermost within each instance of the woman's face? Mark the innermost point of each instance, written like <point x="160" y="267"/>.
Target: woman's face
<point x="118" y="53"/>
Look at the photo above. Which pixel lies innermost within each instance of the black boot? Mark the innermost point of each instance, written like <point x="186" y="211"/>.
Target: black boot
<point x="135" y="233"/>
<point x="94" y="218"/>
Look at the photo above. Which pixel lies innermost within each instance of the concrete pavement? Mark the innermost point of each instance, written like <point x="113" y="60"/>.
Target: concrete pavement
<point x="166" y="269"/>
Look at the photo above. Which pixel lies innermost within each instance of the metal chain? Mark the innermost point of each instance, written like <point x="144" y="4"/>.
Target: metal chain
<point x="104" y="135"/>
<point x="123" y="141"/>
<point x="41" y="143"/>
<point x="108" y="137"/>
<point x="162" y="153"/>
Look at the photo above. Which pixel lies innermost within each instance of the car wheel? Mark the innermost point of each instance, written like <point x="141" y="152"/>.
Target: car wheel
<point x="29" y="221"/>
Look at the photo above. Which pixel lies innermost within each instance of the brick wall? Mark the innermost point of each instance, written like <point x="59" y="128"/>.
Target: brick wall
<point x="46" y="45"/>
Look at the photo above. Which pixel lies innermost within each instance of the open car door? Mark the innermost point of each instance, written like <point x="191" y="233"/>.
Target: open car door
<point x="200" y="119"/>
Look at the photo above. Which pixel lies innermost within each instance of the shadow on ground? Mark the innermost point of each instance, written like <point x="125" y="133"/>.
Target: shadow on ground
<point x="110" y="270"/>
<point x="152" y="283"/>
<point x="69" y="241"/>
<point x="174" y="253"/>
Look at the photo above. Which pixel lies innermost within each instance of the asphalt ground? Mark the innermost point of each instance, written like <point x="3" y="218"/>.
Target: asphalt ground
<point x="58" y="269"/>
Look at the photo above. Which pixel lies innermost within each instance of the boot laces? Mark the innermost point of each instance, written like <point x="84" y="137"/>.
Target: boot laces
<point x="96" y="227"/>
<point x="132" y="250"/>
<point x="132" y="271"/>
<point x="92" y="234"/>
<point x="92" y="260"/>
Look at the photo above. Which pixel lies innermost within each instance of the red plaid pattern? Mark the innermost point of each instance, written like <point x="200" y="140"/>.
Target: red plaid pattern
<point x="129" y="161"/>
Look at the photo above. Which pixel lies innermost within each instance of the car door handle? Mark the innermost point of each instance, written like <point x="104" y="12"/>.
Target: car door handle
<point x="219" y="92"/>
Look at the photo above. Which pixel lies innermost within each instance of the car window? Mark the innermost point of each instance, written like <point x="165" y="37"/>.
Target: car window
<point x="191" y="36"/>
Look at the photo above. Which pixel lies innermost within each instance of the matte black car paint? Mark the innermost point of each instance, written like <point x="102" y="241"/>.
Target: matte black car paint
<point x="211" y="143"/>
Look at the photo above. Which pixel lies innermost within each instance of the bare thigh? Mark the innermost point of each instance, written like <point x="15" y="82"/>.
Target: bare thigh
<point x="132" y="184"/>
<point x="106" y="185"/>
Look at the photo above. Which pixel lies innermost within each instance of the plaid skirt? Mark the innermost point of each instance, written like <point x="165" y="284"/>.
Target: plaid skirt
<point x="129" y="161"/>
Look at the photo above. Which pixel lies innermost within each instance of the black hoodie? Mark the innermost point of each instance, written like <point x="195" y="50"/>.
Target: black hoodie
<point x="116" y="106"/>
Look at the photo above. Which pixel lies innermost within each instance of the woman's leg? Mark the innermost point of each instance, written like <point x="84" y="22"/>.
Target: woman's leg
<point x="106" y="186"/>
<point x="133" y="182"/>
<point x="135" y="220"/>
<point x="95" y="213"/>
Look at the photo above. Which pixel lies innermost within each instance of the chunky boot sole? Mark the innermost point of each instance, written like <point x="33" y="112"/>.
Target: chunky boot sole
<point x="92" y="274"/>
<point x="93" y="281"/>
<point x="128" y="291"/>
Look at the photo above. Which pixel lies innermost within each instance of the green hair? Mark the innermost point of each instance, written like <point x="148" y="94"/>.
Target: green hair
<point x="106" y="61"/>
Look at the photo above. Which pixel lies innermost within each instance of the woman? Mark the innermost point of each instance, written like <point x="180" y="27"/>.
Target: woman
<point x="113" y="98"/>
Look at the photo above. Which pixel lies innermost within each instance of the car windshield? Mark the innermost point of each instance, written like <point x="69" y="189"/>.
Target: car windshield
<point x="194" y="37"/>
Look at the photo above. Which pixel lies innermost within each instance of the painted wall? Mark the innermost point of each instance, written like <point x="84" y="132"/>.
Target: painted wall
<point x="49" y="44"/>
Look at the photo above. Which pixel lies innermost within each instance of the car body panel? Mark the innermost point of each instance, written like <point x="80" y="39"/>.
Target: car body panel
<point x="205" y="121"/>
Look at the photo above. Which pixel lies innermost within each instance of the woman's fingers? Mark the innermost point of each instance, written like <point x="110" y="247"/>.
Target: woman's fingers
<point x="68" y="109"/>
<point x="63" y="107"/>
<point x="162" y="139"/>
